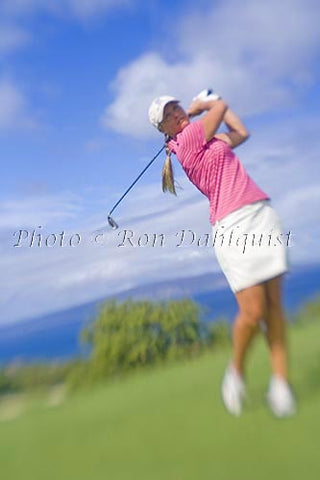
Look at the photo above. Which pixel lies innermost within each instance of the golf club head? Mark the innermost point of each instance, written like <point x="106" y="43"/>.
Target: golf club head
<point x="112" y="223"/>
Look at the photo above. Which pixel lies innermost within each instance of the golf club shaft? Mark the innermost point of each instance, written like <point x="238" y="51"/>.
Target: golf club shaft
<point x="139" y="176"/>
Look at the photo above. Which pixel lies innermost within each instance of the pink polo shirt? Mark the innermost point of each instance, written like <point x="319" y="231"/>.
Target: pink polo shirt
<point x="215" y="170"/>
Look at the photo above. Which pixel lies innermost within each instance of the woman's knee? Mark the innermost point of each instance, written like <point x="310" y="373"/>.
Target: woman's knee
<point x="252" y="314"/>
<point x="252" y="304"/>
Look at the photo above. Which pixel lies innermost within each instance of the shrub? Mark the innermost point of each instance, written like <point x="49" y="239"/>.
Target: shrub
<point x="309" y="312"/>
<point x="220" y="332"/>
<point x="19" y="377"/>
<point x="129" y="335"/>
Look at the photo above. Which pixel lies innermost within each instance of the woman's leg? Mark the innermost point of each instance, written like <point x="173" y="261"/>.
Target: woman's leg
<point x="261" y="302"/>
<point x="280" y="397"/>
<point x="252" y="304"/>
<point x="276" y="328"/>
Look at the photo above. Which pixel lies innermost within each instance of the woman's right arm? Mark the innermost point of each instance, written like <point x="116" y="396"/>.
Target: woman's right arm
<point x="237" y="133"/>
<point x="211" y="121"/>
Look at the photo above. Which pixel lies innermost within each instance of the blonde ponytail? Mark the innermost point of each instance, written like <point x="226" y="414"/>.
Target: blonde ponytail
<point x="167" y="175"/>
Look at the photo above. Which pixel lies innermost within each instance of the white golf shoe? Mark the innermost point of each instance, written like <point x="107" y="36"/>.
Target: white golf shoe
<point x="233" y="391"/>
<point x="280" y="398"/>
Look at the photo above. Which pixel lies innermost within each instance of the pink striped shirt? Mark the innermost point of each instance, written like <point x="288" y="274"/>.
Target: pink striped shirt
<point x="215" y="170"/>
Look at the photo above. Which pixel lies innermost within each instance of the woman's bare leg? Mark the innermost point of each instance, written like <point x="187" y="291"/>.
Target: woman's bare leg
<point x="252" y="307"/>
<point x="276" y="328"/>
<point x="261" y="302"/>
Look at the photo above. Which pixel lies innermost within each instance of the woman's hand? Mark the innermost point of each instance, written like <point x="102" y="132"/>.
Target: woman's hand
<point x="203" y="101"/>
<point x="197" y="107"/>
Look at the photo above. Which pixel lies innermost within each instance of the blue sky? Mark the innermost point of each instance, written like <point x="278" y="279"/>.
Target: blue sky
<point x="76" y="80"/>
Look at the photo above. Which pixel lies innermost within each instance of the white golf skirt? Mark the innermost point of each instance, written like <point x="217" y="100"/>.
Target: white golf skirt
<point x="250" y="245"/>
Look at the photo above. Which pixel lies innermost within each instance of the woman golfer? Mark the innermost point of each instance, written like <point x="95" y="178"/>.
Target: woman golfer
<point x="252" y="252"/>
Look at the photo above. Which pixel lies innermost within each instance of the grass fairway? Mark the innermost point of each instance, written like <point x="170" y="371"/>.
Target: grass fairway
<point x="170" y="424"/>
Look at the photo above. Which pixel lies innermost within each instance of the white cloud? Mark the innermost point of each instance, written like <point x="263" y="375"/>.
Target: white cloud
<point x="12" y="37"/>
<point x="137" y="84"/>
<point x="80" y="9"/>
<point x="15" y="7"/>
<point x="13" y="12"/>
<point x="13" y="112"/>
<point x="31" y="211"/>
<point x="259" y="56"/>
<point x="260" y="35"/>
<point x="84" y="9"/>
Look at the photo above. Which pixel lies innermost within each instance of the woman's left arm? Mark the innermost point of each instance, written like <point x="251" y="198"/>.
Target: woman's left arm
<point x="237" y="134"/>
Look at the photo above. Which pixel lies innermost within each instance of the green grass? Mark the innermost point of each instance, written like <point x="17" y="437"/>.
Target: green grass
<point x="169" y="424"/>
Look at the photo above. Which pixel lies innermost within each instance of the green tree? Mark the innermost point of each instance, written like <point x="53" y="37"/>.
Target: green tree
<point x="129" y="335"/>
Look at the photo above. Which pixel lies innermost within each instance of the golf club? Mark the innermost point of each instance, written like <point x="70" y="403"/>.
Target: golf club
<point x="113" y="224"/>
